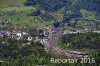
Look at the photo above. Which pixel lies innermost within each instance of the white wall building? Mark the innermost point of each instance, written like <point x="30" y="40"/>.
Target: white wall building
<point x="30" y="38"/>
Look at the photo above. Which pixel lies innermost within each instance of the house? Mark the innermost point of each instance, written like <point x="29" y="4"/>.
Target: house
<point x="46" y="33"/>
<point x="1" y="61"/>
<point x="96" y="31"/>
<point x="18" y="36"/>
<point x="4" y="33"/>
<point x="28" y="43"/>
<point x="36" y="39"/>
<point x="24" y="33"/>
<point x="44" y="41"/>
<point x="30" y="38"/>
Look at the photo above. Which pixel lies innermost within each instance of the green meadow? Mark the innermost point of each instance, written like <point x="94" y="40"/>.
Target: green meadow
<point x="7" y="3"/>
<point x="18" y="14"/>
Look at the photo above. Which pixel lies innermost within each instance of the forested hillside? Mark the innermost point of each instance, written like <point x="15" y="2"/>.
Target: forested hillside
<point x="74" y="5"/>
<point x="66" y="10"/>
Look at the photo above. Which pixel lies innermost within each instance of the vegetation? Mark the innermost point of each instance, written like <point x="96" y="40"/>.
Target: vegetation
<point x="32" y="14"/>
<point x="35" y="12"/>
<point x="18" y="16"/>
<point x="79" y="41"/>
<point x="87" y="42"/>
<point x="85" y="15"/>
<point x="18" y="53"/>
<point x="15" y="53"/>
<point x="6" y="3"/>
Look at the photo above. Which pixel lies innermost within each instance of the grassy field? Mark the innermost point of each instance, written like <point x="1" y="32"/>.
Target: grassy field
<point x="7" y="3"/>
<point x="19" y="14"/>
<point x="18" y="9"/>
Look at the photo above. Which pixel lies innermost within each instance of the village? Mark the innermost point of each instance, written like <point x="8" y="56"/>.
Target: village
<point x="18" y="34"/>
<point x="48" y="37"/>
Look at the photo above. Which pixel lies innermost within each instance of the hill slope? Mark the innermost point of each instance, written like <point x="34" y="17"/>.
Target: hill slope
<point x="85" y="12"/>
<point x="7" y="3"/>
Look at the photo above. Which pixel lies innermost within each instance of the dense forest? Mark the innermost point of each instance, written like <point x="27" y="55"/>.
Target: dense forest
<point x="92" y="5"/>
<point x="79" y="41"/>
<point x="74" y="5"/>
<point x="84" y="12"/>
